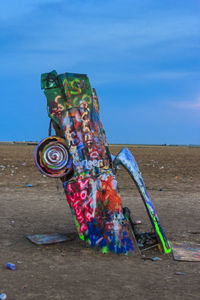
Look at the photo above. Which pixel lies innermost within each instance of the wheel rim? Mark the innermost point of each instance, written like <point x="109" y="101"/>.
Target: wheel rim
<point x="52" y="157"/>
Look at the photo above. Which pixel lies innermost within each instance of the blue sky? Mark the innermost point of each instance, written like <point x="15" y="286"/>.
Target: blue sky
<point x="143" y="58"/>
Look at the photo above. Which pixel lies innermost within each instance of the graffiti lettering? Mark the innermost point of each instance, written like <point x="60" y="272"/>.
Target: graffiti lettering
<point x="67" y="89"/>
<point x="89" y="164"/>
<point x="77" y="199"/>
<point x="77" y="85"/>
<point x="83" y="184"/>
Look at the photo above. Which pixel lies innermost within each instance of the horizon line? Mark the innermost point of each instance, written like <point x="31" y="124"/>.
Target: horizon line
<point x="110" y="144"/>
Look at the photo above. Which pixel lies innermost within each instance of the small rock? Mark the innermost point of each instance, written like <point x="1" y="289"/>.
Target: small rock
<point x="156" y="258"/>
<point x="152" y="258"/>
<point x="180" y="273"/>
<point x="19" y="262"/>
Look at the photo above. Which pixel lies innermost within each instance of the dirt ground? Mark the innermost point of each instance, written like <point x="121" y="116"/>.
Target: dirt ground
<point x="70" y="270"/>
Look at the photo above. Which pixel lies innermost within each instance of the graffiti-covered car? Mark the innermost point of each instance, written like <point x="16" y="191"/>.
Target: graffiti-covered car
<point x="79" y="155"/>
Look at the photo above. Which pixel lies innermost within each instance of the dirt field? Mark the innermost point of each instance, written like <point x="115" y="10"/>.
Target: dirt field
<point x="70" y="270"/>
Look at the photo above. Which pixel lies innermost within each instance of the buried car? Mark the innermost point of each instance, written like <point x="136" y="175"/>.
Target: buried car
<point x="79" y="155"/>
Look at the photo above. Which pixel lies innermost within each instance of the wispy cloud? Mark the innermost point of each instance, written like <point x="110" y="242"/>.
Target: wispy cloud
<point x="12" y="10"/>
<point x="193" y="105"/>
<point x="148" y="76"/>
<point x="114" y="33"/>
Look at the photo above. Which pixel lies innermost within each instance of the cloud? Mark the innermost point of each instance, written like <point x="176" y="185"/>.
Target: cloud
<point x="77" y="34"/>
<point x="70" y="29"/>
<point x="192" y="105"/>
<point x="148" y="76"/>
<point x="12" y="10"/>
<point x="114" y="40"/>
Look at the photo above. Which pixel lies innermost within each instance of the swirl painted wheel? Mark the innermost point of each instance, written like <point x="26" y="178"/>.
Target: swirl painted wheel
<point x="52" y="157"/>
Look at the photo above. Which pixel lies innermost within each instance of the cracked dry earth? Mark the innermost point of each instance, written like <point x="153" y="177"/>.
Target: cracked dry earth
<point x="70" y="270"/>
